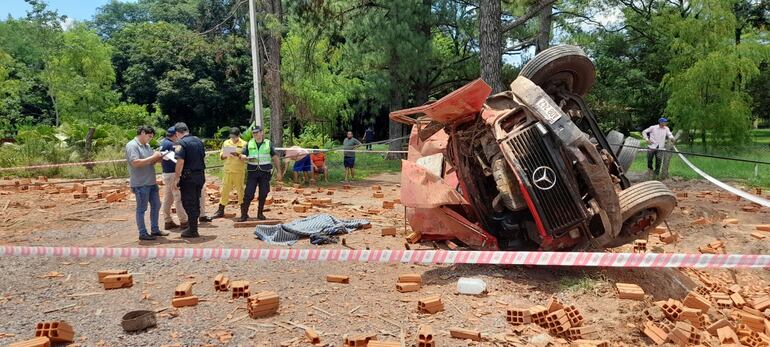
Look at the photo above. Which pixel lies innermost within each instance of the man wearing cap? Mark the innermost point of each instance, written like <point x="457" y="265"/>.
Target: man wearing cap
<point x="171" y="193"/>
<point x="234" y="170"/>
<point x="189" y="175"/>
<point x="258" y="154"/>
<point x="656" y="136"/>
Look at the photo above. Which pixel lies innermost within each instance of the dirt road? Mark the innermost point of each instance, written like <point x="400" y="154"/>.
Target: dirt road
<point x="369" y="304"/>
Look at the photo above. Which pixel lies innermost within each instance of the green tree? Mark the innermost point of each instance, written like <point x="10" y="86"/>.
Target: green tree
<point x="79" y="76"/>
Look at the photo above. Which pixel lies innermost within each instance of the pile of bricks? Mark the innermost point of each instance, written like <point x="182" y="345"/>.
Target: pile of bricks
<point x="262" y="304"/>
<point x="714" y="313"/>
<point x="183" y="296"/>
<point x="561" y="321"/>
<point x="714" y="247"/>
<point x="114" y="279"/>
<point x="409" y="282"/>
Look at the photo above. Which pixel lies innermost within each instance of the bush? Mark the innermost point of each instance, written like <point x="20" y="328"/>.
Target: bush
<point x="130" y="116"/>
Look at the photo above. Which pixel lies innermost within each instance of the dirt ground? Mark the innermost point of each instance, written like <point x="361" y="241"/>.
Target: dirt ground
<point x="369" y="304"/>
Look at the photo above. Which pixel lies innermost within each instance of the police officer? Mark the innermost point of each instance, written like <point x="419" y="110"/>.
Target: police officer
<point x="189" y="175"/>
<point x="258" y="155"/>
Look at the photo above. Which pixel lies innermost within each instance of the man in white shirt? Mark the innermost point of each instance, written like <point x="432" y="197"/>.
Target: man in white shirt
<point x="656" y="137"/>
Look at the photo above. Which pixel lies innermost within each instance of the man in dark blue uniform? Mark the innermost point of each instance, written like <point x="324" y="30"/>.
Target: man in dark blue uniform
<point x="258" y="154"/>
<point x="190" y="176"/>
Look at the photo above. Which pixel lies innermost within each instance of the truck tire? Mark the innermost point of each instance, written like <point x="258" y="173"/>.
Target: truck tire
<point x="561" y="66"/>
<point x="628" y="152"/>
<point x="643" y="207"/>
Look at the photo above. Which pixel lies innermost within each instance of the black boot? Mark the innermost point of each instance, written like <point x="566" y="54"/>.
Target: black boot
<point x="220" y="212"/>
<point x="260" y="208"/>
<point x="192" y="230"/>
<point x="244" y="212"/>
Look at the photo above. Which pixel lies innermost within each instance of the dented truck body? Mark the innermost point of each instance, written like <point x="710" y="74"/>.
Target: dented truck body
<point x="524" y="169"/>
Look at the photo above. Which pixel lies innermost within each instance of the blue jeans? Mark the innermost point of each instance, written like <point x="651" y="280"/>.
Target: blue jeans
<point x="145" y="195"/>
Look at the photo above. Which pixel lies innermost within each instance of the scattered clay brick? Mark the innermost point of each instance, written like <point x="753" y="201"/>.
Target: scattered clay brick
<point x="668" y="237"/>
<point x="465" y="334"/>
<point x="629" y="291"/>
<point x="183" y="289"/>
<point x="754" y="322"/>
<point x="737" y="300"/>
<point x="761" y="303"/>
<point x="300" y="208"/>
<point x="425" y="336"/>
<point x="262" y="304"/>
<point x="376" y="187"/>
<point x="538" y="314"/>
<point x="388" y="205"/>
<point x="338" y="279"/>
<point x="575" y="318"/>
<point x="714" y="327"/>
<point x="359" y="340"/>
<point x="430" y="305"/>
<point x="590" y="343"/>
<point x="553" y="304"/>
<point x="587" y="332"/>
<point x="410" y="278"/>
<point x="34" y="342"/>
<point x="640" y="246"/>
<point x="655" y="333"/>
<point x="191" y="300"/>
<point x="518" y="316"/>
<point x="730" y="221"/>
<point x="118" y="281"/>
<point x="758" y="235"/>
<point x="673" y="309"/>
<point x="105" y="273"/>
<point x="654" y="314"/>
<point x="763" y="227"/>
<point x="702" y="221"/>
<point x="388" y="231"/>
<point x="312" y="336"/>
<point x="407" y="287"/>
<point x="695" y="300"/>
<point x="557" y="322"/>
<point x="346" y="187"/>
<point x="221" y="283"/>
<point x="58" y="331"/>
<point x="413" y="237"/>
<point x="378" y="195"/>
<point x="240" y="289"/>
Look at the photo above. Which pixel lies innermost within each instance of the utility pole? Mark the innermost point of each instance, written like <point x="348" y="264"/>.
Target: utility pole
<point x="257" y="114"/>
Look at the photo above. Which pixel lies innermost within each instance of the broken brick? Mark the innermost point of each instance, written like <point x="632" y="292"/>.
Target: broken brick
<point x="338" y="279"/>
<point x="465" y="334"/>
<point x="312" y="336"/>
<point x="191" y="300"/>
<point x="407" y="287"/>
<point x="118" y="281"/>
<point x="58" y="331"/>
<point x="388" y="205"/>
<point x="413" y="237"/>
<point x="668" y="237"/>
<point x="553" y="304"/>
<point x="105" y="273"/>
<point x="40" y="341"/>
<point x="629" y="291"/>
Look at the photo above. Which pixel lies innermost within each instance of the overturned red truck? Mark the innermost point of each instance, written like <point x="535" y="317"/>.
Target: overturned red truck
<point x="528" y="168"/>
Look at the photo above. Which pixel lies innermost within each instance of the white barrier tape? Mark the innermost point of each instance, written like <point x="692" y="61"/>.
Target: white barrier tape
<point x="570" y="259"/>
<point x="746" y="195"/>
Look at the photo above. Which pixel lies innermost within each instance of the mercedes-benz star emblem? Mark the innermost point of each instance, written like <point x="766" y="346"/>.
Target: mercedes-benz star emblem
<point x="544" y="178"/>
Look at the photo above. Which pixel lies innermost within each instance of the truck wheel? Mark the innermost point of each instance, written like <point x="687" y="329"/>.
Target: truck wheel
<point x="561" y="66"/>
<point x="643" y="207"/>
<point x="627" y="153"/>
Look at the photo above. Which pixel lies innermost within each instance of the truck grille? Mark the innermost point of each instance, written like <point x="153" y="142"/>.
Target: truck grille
<point x="559" y="206"/>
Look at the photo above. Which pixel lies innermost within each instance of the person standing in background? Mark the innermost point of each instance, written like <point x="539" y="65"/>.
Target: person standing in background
<point x="190" y="175"/>
<point x="349" y="157"/>
<point x="656" y="136"/>
<point x="234" y="170"/>
<point x="368" y="138"/>
<point x="141" y="168"/>
<point x="171" y="194"/>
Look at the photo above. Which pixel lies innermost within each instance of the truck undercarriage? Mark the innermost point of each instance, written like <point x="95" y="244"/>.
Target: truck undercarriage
<point x="525" y="169"/>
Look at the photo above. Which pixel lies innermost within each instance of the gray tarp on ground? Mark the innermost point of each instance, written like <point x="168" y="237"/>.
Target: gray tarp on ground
<point x="314" y="227"/>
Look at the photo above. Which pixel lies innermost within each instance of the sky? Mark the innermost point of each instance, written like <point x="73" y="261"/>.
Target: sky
<point x="75" y="9"/>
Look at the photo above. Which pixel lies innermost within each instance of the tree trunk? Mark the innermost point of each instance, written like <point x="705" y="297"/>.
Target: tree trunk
<point x="490" y="44"/>
<point x="273" y="76"/>
<point x="88" y="155"/>
<point x="395" y="129"/>
<point x="422" y="87"/>
<point x="544" y="35"/>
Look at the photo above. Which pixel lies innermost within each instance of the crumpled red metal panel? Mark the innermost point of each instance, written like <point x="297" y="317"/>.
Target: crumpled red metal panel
<point x="439" y="224"/>
<point x="459" y="106"/>
<point x="433" y="145"/>
<point x="422" y="189"/>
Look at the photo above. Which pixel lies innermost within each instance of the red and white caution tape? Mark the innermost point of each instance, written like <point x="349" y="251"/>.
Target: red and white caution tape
<point x="571" y="259"/>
